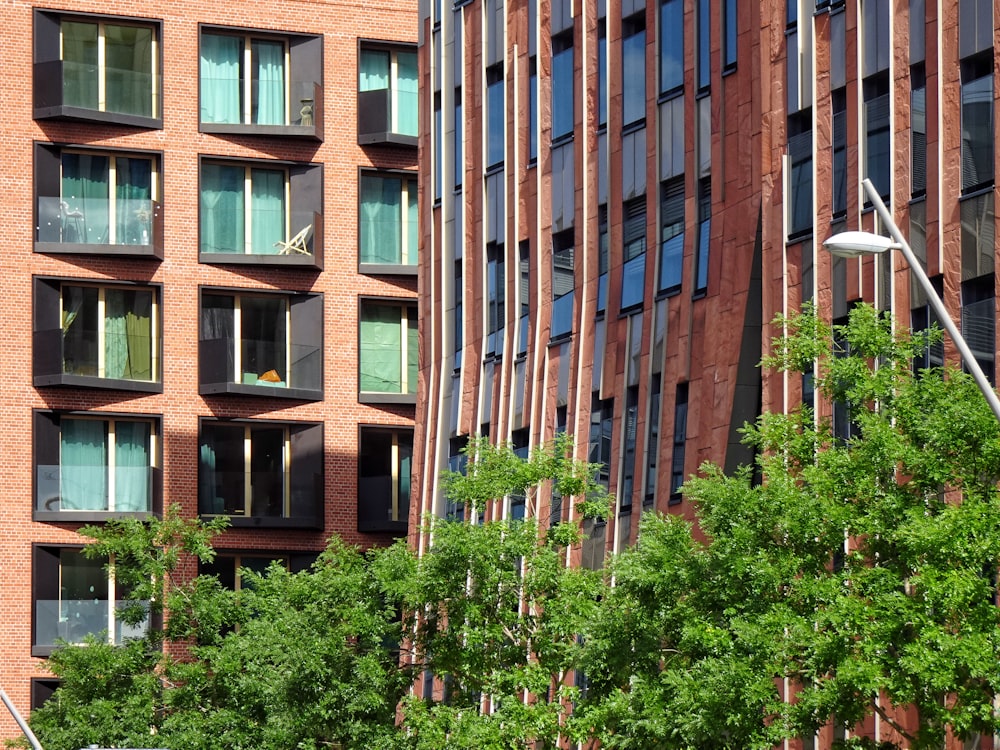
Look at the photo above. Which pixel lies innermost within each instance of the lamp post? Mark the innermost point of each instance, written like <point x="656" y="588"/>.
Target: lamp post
<point x="854" y="244"/>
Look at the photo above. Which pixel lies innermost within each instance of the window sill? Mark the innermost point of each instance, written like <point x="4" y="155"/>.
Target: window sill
<point x="387" y="138"/>
<point x="304" y="132"/>
<point x="397" y="528"/>
<point x="241" y="389"/>
<point x="91" y="381"/>
<point x="298" y="260"/>
<point x="151" y="252"/>
<point x="87" y="516"/>
<point x="387" y="269"/>
<point x="270" y="522"/>
<point x="79" y="114"/>
<point x="369" y="397"/>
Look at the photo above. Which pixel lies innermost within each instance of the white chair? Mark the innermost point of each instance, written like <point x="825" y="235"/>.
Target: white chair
<point x="296" y="244"/>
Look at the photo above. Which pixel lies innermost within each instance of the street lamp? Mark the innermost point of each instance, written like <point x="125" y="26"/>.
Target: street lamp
<point x="855" y="244"/>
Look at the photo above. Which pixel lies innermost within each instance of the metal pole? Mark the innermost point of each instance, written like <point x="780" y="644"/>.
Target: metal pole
<point x="20" y="721"/>
<point x="935" y="300"/>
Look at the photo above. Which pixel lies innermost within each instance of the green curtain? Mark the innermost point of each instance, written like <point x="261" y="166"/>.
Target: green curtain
<point x="222" y="207"/>
<point x="132" y="485"/>
<point x="86" y="198"/>
<point x="128" y="340"/>
<point x="269" y="63"/>
<point x="381" y="349"/>
<point x="381" y="236"/>
<point x="79" y="44"/>
<point x="83" y="463"/>
<point x="133" y="195"/>
<point x="406" y="93"/>
<point x="373" y="70"/>
<point x="128" y="56"/>
<point x="220" y="78"/>
<point x="412" y="224"/>
<point x="412" y="342"/>
<point x="267" y="210"/>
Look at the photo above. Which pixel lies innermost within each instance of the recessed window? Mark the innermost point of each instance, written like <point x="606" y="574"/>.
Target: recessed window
<point x="261" y="212"/>
<point x="387" y="94"/>
<point x="73" y="598"/>
<point x="104" y="69"/>
<point x="633" y="252"/>
<point x="88" y="465"/>
<point x="259" y="83"/>
<point x="562" y="86"/>
<point x="384" y="462"/>
<point x="495" y="116"/>
<point x="100" y="202"/>
<point x="230" y="567"/>
<point x="264" y="344"/>
<point x="388" y="218"/>
<point x="671" y="38"/>
<point x="563" y="283"/>
<point x="387" y="351"/>
<point x="99" y="336"/>
<point x="671" y="234"/>
<point x="634" y="69"/>
<point x="977" y="123"/>
<point x="261" y="473"/>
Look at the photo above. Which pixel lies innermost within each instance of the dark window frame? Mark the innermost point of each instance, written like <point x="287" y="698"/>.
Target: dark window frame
<point x="375" y="107"/>
<point x="409" y="305"/>
<point x="395" y="518"/>
<point x="393" y="269"/>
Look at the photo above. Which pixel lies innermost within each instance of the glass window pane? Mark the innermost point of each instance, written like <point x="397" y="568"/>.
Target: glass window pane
<point x="86" y="193"/>
<point x="128" y="52"/>
<point x="268" y="60"/>
<point x="671" y="45"/>
<point x="381" y="349"/>
<point x="634" y="77"/>
<point x="221" y="88"/>
<point x="263" y="341"/>
<point x="267" y="471"/>
<point x="562" y="93"/>
<point x="977" y="132"/>
<point x="80" y="326"/>
<point x="80" y="73"/>
<point x="405" y="111"/>
<point x="83" y="464"/>
<point x="222" y="208"/>
<point x="221" y="470"/>
<point x="133" y="488"/>
<point x="267" y="211"/>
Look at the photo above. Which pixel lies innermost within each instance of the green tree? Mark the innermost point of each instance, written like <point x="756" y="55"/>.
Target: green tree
<point x="860" y="572"/>
<point x="495" y="609"/>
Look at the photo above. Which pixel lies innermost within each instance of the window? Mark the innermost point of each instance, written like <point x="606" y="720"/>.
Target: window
<point x="634" y="69"/>
<point x="41" y="691"/>
<point x="89" y="464"/>
<point x="878" y="159"/>
<point x="671" y="45"/>
<point x="652" y="441"/>
<point x="387" y="94"/>
<point x="388" y="352"/>
<point x="680" y="443"/>
<point x="562" y="86"/>
<point x="73" y="597"/>
<point x="800" y="176"/>
<point x="728" y="35"/>
<point x="261" y="474"/>
<point x="103" y="69"/>
<point x="975" y="27"/>
<point x="459" y="141"/>
<point x="229" y="568"/>
<point x="524" y="291"/>
<point x="703" y="67"/>
<point x="630" y="426"/>
<point x="922" y="317"/>
<point x="496" y="293"/>
<point x="101" y="202"/>
<point x="262" y="344"/>
<point x="633" y="252"/>
<point x="839" y="197"/>
<point x="259" y="83"/>
<point x="977" y="122"/>
<point x="262" y="212"/>
<point x="704" y="231"/>
<point x="671" y="234"/>
<point x="495" y="115"/>
<point x="96" y="336"/>
<point x="603" y="257"/>
<point x="532" y="110"/>
<point x="979" y="322"/>
<point x="384" y="462"/>
<point x="601" y="424"/>
<point x="918" y="130"/>
<point x="602" y="74"/>
<point x="438" y="150"/>
<point x="563" y="283"/>
<point x="388" y="216"/>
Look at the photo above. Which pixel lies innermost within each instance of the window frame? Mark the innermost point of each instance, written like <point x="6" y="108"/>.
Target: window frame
<point x="48" y="555"/>
<point x="404" y="396"/>
<point x="396" y="520"/>
<point x="304" y="328"/>
<point x="303" y="474"/>
<point x="46" y="443"/>
<point x="408" y="198"/>
<point x="303" y="81"/>
<point x="303" y="196"/>
<point x="48" y="344"/>
<point x="375" y="109"/>
<point x="53" y="215"/>
<point x="48" y="70"/>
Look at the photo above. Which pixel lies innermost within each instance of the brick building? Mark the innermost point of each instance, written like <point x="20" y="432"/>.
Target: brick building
<point x="209" y="216"/>
<point x="619" y="196"/>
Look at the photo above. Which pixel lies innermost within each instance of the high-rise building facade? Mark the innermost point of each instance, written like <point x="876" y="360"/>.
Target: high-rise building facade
<point x="209" y="279"/>
<point x="618" y="197"/>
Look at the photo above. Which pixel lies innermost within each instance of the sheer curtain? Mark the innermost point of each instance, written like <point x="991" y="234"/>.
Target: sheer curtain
<point x="406" y="94"/>
<point x="267" y="210"/>
<point x="222" y="208"/>
<point x="373" y="70"/>
<point x="220" y="78"/>
<point x="381" y="347"/>
<point x="132" y="487"/>
<point x="380" y="219"/>
<point x="133" y="193"/>
<point x="269" y="62"/>
<point x="83" y="462"/>
<point x="85" y="198"/>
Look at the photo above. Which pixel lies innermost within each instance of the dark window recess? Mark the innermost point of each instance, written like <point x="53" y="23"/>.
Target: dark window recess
<point x="679" y="443"/>
<point x="918" y="131"/>
<point x="979" y="322"/>
<point x="729" y="35"/>
<point x="601" y="422"/>
<point x="977" y="122"/>
<point x="384" y="463"/>
<point x="671" y="234"/>
<point x="563" y="281"/>
<point x="631" y="426"/>
<point x="800" y="179"/>
<point x="922" y="318"/>
<point x="495" y="116"/>
<point x="671" y="40"/>
<point x="603" y="257"/>
<point x="96" y="336"/>
<point x="652" y="441"/>
<point x="524" y="291"/>
<point x="387" y="353"/>
<point x="563" y="112"/>
<point x="89" y="466"/>
<point x="704" y="234"/>
<point x="97" y="202"/>
<point x="634" y="69"/>
<point x="839" y="197"/>
<point x="496" y="292"/>
<point x="97" y="69"/>
<point x="260" y="83"/>
<point x="262" y="474"/>
<point x="272" y="347"/>
<point x="878" y="159"/>
<point x="387" y="94"/>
